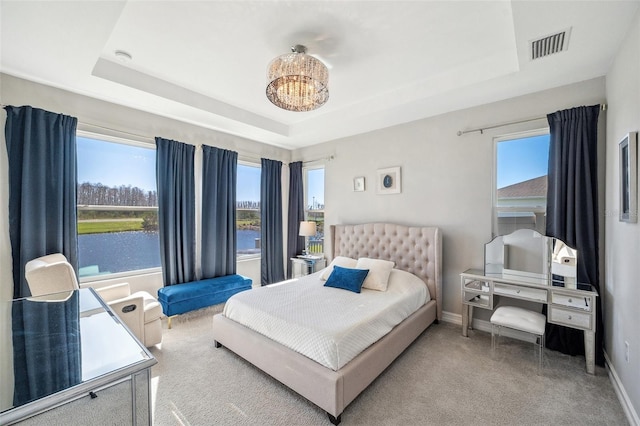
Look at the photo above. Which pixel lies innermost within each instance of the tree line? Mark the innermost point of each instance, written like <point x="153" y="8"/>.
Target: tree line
<point x="97" y="194"/>
<point x="101" y="195"/>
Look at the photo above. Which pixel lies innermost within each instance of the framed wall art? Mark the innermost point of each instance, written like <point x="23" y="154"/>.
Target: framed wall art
<point x="389" y="181"/>
<point x="628" y="153"/>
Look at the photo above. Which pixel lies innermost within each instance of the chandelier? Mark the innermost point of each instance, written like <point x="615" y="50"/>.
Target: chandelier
<point x="297" y="81"/>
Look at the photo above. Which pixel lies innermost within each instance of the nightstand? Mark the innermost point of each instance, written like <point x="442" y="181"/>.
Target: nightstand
<point x="305" y="265"/>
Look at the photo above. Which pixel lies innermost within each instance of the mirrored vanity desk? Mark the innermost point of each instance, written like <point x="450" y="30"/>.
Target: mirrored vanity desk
<point x="67" y="359"/>
<point x="528" y="266"/>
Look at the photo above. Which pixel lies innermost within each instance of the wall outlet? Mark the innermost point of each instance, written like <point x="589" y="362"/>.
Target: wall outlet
<point x="626" y="351"/>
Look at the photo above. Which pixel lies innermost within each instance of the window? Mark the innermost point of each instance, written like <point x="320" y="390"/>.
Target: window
<point x="314" y="206"/>
<point x="117" y="207"/>
<point x="248" y="210"/>
<point x="520" y="196"/>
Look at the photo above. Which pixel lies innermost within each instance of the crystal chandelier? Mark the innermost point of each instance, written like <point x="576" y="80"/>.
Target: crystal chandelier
<point x="297" y="81"/>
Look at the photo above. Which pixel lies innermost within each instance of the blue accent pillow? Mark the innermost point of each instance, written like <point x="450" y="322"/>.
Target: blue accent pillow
<point x="347" y="278"/>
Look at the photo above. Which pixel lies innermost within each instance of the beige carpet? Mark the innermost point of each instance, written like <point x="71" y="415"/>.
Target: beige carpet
<point x="442" y="379"/>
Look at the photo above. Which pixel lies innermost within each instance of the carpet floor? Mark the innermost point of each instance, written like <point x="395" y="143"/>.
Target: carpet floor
<point x="441" y="379"/>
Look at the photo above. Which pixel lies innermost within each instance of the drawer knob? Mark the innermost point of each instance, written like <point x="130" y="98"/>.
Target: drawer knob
<point x="518" y="291"/>
<point x="570" y="301"/>
<point x="569" y="316"/>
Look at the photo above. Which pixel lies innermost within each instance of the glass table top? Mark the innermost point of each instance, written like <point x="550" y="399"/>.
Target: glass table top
<point x="55" y="342"/>
<point x="529" y="279"/>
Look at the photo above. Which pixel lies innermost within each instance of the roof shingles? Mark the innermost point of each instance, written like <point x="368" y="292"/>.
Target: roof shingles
<point x="536" y="187"/>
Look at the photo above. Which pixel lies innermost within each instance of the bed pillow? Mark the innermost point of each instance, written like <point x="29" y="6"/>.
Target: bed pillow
<point x="345" y="262"/>
<point x="379" y="271"/>
<point x="347" y="278"/>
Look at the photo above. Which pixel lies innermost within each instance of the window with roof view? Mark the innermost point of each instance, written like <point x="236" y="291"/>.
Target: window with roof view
<point x="520" y="197"/>
<point x="117" y="207"/>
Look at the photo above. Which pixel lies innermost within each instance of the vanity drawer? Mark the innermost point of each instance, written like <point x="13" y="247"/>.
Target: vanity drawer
<point x="520" y="292"/>
<point x="572" y="301"/>
<point x="570" y="318"/>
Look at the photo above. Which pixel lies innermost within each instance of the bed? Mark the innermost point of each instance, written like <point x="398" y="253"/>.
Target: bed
<point x="417" y="250"/>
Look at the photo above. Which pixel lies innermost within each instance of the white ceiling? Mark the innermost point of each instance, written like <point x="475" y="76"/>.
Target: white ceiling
<point x="390" y="61"/>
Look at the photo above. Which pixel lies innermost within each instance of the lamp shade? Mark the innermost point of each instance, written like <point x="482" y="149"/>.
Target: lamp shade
<point x="307" y="229"/>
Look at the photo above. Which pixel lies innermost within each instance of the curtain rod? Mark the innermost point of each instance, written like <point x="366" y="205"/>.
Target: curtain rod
<point x="152" y="138"/>
<point x="304" y="163"/>
<point x="603" y="107"/>
<point x="240" y="156"/>
<point x="317" y="160"/>
<point x="106" y="128"/>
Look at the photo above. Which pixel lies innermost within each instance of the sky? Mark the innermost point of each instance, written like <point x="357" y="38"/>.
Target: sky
<point x="522" y="159"/>
<point x="115" y="164"/>
<point x="315" y="186"/>
<point x="248" y="185"/>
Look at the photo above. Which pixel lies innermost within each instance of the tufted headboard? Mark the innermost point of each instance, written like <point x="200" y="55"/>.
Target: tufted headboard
<point x="413" y="249"/>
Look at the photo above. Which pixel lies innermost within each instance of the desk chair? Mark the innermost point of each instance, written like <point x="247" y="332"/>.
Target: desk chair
<point x="139" y="311"/>
<point x="519" y="319"/>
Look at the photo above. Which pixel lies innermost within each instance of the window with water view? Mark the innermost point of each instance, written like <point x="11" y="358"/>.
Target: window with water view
<point x="314" y="208"/>
<point x="248" y="210"/>
<point x="117" y="207"/>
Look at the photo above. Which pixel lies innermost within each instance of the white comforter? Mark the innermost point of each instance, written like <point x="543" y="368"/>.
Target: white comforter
<point x="328" y="325"/>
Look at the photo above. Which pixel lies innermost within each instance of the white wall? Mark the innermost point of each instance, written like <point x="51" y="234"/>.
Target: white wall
<point x="91" y="113"/>
<point x="446" y="179"/>
<point x="622" y="285"/>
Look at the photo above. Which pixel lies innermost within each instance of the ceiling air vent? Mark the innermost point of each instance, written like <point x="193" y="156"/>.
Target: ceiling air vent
<point x="550" y="44"/>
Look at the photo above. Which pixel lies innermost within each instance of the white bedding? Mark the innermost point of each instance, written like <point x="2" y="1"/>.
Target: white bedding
<point x="329" y="325"/>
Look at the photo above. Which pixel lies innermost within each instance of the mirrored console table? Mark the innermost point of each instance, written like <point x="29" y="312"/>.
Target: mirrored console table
<point x="306" y="264"/>
<point x="71" y="360"/>
<point x="528" y="266"/>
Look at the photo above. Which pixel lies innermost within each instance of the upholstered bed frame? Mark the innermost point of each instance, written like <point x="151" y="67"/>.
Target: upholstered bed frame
<point x="414" y="249"/>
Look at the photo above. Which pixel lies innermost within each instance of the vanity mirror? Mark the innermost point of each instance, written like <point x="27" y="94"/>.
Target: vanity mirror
<point x="529" y="256"/>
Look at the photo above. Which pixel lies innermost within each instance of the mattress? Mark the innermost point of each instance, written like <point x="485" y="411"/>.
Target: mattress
<point x="329" y="325"/>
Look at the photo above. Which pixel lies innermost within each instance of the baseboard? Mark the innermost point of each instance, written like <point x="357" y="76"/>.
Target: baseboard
<point x="482" y="325"/>
<point x="625" y="402"/>
<point x="452" y="318"/>
<point x="627" y="406"/>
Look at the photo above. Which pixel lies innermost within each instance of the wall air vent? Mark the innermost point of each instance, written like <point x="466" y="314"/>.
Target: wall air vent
<point x="549" y="45"/>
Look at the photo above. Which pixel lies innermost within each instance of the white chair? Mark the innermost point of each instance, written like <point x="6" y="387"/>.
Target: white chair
<point x="139" y="311"/>
<point x="519" y="319"/>
<point x="50" y="274"/>
<point x="148" y="327"/>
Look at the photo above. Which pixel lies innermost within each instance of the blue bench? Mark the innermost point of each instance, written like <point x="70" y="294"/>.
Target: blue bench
<point x="180" y="298"/>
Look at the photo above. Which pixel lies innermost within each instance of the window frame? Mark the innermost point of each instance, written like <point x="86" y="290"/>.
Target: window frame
<point x="305" y="180"/>
<point x="540" y="131"/>
<point x="79" y="207"/>
<point x="245" y="257"/>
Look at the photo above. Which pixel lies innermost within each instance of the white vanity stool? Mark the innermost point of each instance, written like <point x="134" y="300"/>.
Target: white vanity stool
<point x="522" y="320"/>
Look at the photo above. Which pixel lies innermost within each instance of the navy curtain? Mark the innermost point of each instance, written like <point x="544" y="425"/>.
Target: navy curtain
<point x="176" y="210"/>
<point x="271" y="266"/>
<point x="295" y="243"/>
<point x="41" y="147"/>
<point x="572" y="209"/>
<point x="46" y="347"/>
<point x="219" y="243"/>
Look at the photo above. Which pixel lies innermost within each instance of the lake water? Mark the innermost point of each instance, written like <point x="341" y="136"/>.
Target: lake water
<point x="129" y="251"/>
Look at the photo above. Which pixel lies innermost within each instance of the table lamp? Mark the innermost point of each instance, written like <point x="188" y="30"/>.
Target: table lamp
<point x="307" y="229"/>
